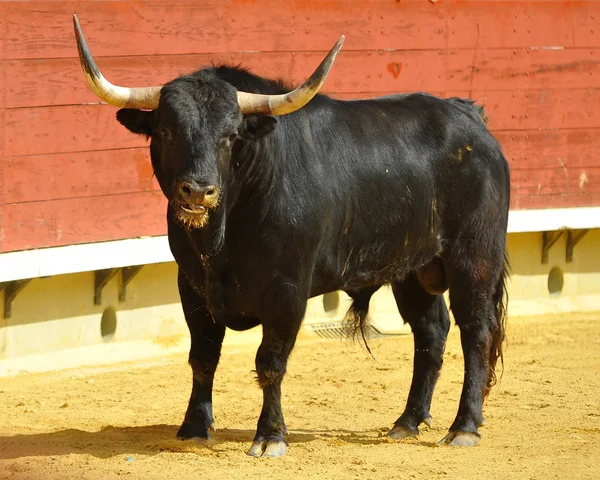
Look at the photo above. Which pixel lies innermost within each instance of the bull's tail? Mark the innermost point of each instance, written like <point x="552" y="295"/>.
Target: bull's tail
<point x="500" y="300"/>
<point x="356" y="321"/>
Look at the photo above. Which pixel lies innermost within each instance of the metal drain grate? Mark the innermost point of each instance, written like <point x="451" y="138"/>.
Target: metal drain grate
<point x="339" y="330"/>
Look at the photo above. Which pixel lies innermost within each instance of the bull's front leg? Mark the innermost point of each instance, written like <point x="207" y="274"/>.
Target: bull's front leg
<point x="283" y="309"/>
<point x="206" y="340"/>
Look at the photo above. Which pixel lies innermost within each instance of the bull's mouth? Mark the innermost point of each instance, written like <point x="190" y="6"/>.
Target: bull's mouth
<point x="195" y="210"/>
<point x="192" y="217"/>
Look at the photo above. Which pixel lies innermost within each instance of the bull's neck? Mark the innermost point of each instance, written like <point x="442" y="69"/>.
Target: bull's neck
<point x="257" y="178"/>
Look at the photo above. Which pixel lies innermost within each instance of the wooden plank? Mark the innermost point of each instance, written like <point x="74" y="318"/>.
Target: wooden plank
<point x="76" y="175"/>
<point x="562" y="201"/>
<point x="2" y="159"/>
<point x="525" y="69"/>
<point x="555" y="182"/>
<point x="514" y="24"/>
<point x="3" y="11"/>
<point x="152" y="28"/>
<point x="541" y="109"/>
<point x="61" y="82"/>
<point x="43" y="29"/>
<point x="2" y="228"/>
<point x="83" y="220"/>
<point x="34" y="131"/>
<point x="535" y="149"/>
<point x="120" y="171"/>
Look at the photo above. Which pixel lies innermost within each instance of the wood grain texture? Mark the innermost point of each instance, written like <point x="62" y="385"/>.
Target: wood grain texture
<point x="3" y="10"/>
<point x="555" y="182"/>
<point x="539" y="149"/>
<point x="50" y="82"/>
<point x="534" y="109"/>
<point x="76" y="175"/>
<point x="2" y="180"/>
<point x="60" y="81"/>
<point x="536" y="68"/>
<point x="70" y="173"/>
<point x="185" y="27"/>
<point x="561" y="201"/>
<point x="37" y="131"/>
<point x="83" y="220"/>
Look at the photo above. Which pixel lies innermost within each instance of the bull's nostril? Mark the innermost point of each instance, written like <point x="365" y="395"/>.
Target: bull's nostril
<point x="186" y="190"/>
<point x="210" y="192"/>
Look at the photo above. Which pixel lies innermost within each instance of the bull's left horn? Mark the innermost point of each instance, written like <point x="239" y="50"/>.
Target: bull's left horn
<point x="257" y="104"/>
<point x="144" y="98"/>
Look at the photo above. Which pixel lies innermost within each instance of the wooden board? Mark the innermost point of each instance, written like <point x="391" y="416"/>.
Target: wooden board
<point x="539" y="149"/>
<point x="2" y="181"/>
<point x="185" y="27"/>
<point x="83" y="220"/>
<point x="61" y="82"/>
<point x="35" y="178"/>
<point x="37" y="131"/>
<point x="540" y="109"/>
<point x="554" y="182"/>
<point x="562" y="201"/>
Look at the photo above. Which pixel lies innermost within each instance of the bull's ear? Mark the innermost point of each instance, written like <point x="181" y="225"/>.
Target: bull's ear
<point x="259" y="126"/>
<point x="136" y="121"/>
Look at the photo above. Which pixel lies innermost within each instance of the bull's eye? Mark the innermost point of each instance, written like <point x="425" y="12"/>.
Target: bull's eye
<point x="232" y="137"/>
<point x="165" y="133"/>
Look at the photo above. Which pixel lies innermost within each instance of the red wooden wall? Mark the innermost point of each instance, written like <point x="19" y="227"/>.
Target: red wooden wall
<point x="69" y="173"/>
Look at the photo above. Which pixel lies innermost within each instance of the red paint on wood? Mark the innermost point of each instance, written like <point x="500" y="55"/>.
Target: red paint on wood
<point x="35" y="131"/>
<point x="83" y="220"/>
<point x="541" y="109"/>
<point x="555" y="182"/>
<point x="535" y="65"/>
<point x="150" y="28"/>
<point x="35" y="178"/>
<point x="61" y="82"/>
<point x="551" y="148"/>
<point x="564" y="201"/>
<point x="514" y="24"/>
<point x="526" y="69"/>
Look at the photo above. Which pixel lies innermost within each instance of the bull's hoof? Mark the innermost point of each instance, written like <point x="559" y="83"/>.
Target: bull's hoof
<point x="268" y="448"/>
<point x="400" y="432"/>
<point x="200" y="435"/>
<point x="460" y="439"/>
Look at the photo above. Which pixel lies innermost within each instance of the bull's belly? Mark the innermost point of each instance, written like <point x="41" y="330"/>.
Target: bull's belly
<point x="377" y="269"/>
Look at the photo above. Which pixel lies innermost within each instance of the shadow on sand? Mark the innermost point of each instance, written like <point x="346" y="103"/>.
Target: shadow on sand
<point x="153" y="439"/>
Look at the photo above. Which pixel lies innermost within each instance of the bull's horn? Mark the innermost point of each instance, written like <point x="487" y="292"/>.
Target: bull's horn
<point x="257" y="104"/>
<point x="144" y="98"/>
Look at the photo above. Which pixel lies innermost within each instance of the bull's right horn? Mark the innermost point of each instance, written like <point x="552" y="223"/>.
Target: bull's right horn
<point x="140" y="97"/>
<point x="259" y="104"/>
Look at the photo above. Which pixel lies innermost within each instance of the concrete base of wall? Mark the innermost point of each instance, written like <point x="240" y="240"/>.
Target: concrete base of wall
<point x="55" y="323"/>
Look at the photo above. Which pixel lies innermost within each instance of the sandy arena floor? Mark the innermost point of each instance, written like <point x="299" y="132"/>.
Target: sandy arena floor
<point x="543" y="420"/>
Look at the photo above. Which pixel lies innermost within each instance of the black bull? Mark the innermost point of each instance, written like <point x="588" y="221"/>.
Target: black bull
<point x="264" y="213"/>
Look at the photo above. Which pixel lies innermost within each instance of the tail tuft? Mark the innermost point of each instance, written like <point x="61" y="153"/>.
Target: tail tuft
<point x="500" y="299"/>
<point x="356" y="321"/>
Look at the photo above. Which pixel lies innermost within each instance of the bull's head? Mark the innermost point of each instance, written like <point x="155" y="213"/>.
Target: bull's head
<point x="193" y="123"/>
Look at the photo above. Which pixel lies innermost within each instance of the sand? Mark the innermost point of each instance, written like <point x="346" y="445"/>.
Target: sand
<point x="543" y="419"/>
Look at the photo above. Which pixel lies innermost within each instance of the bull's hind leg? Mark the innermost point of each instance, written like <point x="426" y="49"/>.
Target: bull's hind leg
<point x="476" y="291"/>
<point x="206" y="340"/>
<point x="428" y="318"/>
